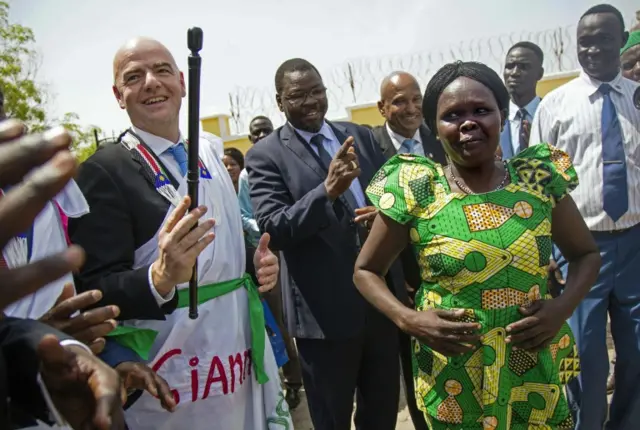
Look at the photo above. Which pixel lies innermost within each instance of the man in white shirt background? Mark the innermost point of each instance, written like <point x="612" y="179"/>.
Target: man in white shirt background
<point x="522" y="71"/>
<point x="593" y="119"/>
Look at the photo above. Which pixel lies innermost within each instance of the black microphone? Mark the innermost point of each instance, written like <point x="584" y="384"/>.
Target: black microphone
<point x="636" y="98"/>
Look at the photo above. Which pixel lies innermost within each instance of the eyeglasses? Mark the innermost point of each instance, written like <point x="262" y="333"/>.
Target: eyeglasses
<point x="297" y="99"/>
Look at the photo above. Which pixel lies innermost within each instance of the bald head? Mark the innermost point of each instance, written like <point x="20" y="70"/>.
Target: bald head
<point x="395" y="81"/>
<point x="401" y="103"/>
<point x="136" y="46"/>
<point x="149" y="86"/>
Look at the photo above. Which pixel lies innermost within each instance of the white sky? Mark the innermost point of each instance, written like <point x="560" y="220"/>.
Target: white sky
<point x="246" y="40"/>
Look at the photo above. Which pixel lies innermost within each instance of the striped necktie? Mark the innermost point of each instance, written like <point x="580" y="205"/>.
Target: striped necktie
<point x="523" y="143"/>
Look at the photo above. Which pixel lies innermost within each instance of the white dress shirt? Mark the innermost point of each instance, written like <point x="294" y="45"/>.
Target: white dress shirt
<point x="397" y="140"/>
<point x="570" y="118"/>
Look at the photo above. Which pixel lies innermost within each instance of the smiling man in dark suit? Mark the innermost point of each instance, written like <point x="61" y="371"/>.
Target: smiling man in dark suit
<point x="404" y="130"/>
<point x="307" y="180"/>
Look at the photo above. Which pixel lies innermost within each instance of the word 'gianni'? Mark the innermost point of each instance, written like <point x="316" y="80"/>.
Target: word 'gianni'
<point x="239" y="364"/>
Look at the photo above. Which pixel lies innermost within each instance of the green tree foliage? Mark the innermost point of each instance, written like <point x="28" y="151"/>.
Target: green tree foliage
<point x="24" y="97"/>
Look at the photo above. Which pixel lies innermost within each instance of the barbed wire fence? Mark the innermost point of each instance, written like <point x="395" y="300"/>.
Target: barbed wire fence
<point x="358" y="80"/>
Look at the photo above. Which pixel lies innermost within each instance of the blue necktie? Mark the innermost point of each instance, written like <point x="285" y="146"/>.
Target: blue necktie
<point x="407" y="146"/>
<point x="614" y="167"/>
<point x="180" y="155"/>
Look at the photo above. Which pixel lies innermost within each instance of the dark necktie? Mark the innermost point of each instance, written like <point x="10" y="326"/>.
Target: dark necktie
<point x="318" y="142"/>
<point x="614" y="167"/>
<point x="523" y="142"/>
<point x="180" y="154"/>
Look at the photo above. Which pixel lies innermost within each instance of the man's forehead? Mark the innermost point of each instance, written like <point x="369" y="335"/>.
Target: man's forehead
<point x="598" y="22"/>
<point x="142" y="52"/>
<point x="260" y="123"/>
<point x="302" y="77"/>
<point x="400" y="84"/>
<point x="520" y="54"/>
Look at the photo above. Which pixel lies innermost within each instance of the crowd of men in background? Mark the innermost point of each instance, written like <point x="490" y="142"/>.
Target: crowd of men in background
<point x="343" y="347"/>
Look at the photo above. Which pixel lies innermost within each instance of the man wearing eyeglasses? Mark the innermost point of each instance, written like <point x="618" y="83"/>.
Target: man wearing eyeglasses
<point x="307" y="182"/>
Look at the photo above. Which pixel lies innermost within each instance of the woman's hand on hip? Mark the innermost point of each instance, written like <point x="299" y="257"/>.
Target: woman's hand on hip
<point x="442" y="331"/>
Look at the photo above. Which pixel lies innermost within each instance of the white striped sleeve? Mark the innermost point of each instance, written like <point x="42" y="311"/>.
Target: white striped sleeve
<point x="542" y="126"/>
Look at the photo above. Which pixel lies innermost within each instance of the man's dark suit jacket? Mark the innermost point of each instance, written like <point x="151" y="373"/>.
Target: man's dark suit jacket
<point x="126" y="212"/>
<point x="432" y="146"/>
<point x="316" y="236"/>
<point x="19" y="367"/>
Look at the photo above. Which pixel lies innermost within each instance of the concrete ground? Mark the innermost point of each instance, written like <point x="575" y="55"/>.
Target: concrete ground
<point x="302" y="421"/>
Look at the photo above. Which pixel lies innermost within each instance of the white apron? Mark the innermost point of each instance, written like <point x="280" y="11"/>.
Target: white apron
<point x="206" y="361"/>
<point x="48" y="238"/>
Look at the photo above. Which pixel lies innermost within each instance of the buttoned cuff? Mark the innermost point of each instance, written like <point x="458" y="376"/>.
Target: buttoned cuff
<point x="69" y="342"/>
<point x="159" y="299"/>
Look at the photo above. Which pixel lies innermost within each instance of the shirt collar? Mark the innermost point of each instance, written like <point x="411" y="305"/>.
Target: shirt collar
<point x="397" y="139"/>
<point x="325" y="131"/>
<point x="157" y="144"/>
<point x="530" y="107"/>
<point x="592" y="85"/>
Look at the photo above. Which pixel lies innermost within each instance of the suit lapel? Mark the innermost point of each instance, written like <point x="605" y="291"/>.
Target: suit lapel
<point x="291" y="140"/>
<point x="366" y="170"/>
<point x="145" y="169"/>
<point x="388" y="150"/>
<point x="132" y="154"/>
<point x="432" y="147"/>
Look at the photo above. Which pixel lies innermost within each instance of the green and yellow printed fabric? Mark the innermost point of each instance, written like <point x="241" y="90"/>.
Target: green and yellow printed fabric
<point x="487" y="254"/>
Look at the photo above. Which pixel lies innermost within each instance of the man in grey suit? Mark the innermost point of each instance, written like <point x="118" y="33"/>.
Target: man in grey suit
<point x="307" y="182"/>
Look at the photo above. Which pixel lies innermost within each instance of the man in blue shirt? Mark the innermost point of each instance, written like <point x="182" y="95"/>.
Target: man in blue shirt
<point x="259" y="128"/>
<point x="522" y="71"/>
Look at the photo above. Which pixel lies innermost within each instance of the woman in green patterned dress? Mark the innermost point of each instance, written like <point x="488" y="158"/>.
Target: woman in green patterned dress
<point x="491" y="347"/>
